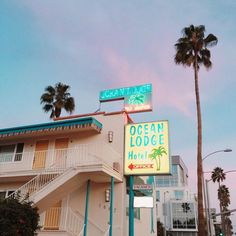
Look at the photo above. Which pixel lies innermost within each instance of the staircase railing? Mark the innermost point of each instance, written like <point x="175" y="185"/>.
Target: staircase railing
<point x="73" y="224"/>
<point x="92" y="225"/>
<point x="37" y="183"/>
<point x="107" y="231"/>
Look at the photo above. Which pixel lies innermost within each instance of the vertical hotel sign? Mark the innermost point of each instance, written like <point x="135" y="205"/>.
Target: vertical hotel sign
<point x="136" y="98"/>
<point x="147" y="148"/>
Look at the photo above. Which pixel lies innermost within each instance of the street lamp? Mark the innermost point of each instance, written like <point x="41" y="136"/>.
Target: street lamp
<point x="165" y="212"/>
<point x="206" y="199"/>
<point x="224" y="150"/>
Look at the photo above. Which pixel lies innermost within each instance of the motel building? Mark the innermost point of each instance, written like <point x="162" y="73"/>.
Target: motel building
<point x="72" y="169"/>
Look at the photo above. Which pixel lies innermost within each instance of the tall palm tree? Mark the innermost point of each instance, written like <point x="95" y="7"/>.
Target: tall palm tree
<point x="192" y="50"/>
<point x="219" y="176"/>
<point x="57" y="98"/>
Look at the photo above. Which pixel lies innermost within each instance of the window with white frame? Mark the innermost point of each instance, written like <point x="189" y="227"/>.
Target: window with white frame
<point x="11" y="152"/>
<point x="184" y="216"/>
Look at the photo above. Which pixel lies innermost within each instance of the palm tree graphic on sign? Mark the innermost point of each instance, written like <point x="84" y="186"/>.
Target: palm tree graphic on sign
<point x="156" y="155"/>
<point x="137" y="99"/>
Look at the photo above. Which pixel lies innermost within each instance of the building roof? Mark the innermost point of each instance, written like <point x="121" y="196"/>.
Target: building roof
<point x="82" y="123"/>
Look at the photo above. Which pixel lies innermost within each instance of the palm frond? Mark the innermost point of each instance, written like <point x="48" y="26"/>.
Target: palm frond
<point x="47" y="107"/>
<point x="69" y="104"/>
<point x="50" y="90"/>
<point x="200" y="31"/>
<point x="46" y="98"/>
<point x="187" y="31"/>
<point x="210" y="40"/>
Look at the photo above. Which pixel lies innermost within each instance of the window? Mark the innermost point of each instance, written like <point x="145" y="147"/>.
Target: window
<point x="179" y="194"/>
<point x="168" y="181"/>
<point x="158" y="196"/>
<point x="174" y="169"/>
<point x="19" y="152"/>
<point x="184" y="216"/>
<point x="10" y="153"/>
<point x="181" y="176"/>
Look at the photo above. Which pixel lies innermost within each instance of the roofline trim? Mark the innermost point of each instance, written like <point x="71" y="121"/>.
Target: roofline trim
<point x="51" y="125"/>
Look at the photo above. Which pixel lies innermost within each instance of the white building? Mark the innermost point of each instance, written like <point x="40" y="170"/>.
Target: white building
<point x="67" y="164"/>
<point x="176" y="206"/>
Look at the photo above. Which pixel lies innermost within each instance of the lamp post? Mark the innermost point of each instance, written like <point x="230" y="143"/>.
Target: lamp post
<point x="206" y="199"/>
<point x="165" y="212"/>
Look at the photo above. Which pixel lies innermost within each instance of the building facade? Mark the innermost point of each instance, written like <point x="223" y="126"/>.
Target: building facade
<point x="68" y="166"/>
<point x="175" y="205"/>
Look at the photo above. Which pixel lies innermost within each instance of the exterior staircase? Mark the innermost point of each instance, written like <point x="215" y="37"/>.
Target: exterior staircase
<point x="65" y="175"/>
<point x="49" y="187"/>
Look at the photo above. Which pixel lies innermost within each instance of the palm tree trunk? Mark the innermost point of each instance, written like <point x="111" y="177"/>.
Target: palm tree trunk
<point x="158" y="162"/>
<point x="221" y="210"/>
<point x="57" y="112"/>
<point x="201" y="218"/>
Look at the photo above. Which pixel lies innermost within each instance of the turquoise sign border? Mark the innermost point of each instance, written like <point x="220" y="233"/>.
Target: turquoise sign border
<point x="136" y="98"/>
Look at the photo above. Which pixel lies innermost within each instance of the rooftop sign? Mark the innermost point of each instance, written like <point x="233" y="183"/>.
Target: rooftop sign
<point x="147" y="148"/>
<point x="136" y="98"/>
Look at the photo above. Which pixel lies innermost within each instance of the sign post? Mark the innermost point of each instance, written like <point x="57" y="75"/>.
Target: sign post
<point x="131" y="206"/>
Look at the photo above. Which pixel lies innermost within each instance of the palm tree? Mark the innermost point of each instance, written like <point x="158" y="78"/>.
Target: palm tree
<point x="57" y="98"/>
<point x="224" y="197"/>
<point x="191" y="50"/>
<point x="219" y="176"/>
<point x="156" y="154"/>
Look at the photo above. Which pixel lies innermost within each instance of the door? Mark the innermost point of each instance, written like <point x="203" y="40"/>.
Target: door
<point x="61" y="151"/>
<point x="40" y="154"/>
<point x="53" y="217"/>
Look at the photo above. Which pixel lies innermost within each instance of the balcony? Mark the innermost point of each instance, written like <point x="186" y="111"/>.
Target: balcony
<point x="85" y="156"/>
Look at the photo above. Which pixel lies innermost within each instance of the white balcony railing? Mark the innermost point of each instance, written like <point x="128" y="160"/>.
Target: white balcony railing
<point x="81" y="155"/>
<point x="62" y="160"/>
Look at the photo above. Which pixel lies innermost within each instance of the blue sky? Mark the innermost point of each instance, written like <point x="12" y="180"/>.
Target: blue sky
<point x="97" y="45"/>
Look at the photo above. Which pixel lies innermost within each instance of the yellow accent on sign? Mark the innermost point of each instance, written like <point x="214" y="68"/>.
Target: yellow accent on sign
<point x="147" y="148"/>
